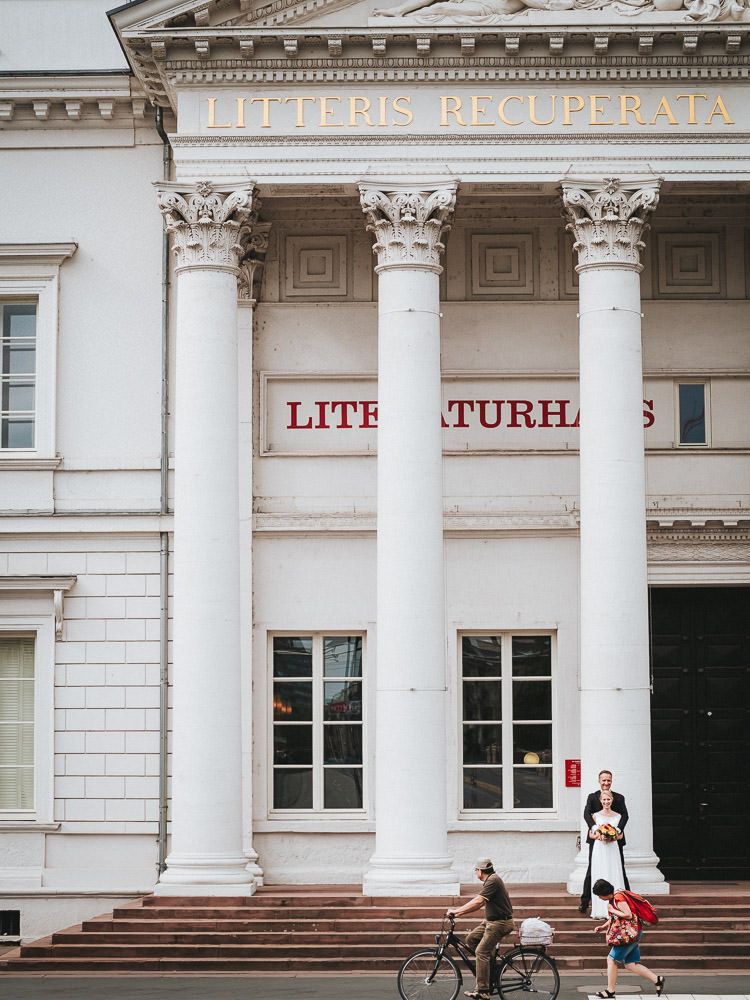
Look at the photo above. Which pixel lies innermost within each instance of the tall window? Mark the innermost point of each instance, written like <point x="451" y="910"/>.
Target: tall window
<point x="18" y="374"/>
<point x="318" y="722"/>
<point x="691" y="411"/>
<point x="16" y="723"/>
<point x="506" y="698"/>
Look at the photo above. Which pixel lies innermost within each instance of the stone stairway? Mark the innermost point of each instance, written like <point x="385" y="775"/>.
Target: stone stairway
<point x="325" y="929"/>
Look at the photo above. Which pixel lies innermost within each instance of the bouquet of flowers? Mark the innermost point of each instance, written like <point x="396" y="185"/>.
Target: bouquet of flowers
<point x="607" y="832"/>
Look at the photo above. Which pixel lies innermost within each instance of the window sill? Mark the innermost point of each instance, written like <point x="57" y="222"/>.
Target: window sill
<point x="540" y="823"/>
<point x="27" y="826"/>
<point x="322" y="824"/>
<point x="27" y="462"/>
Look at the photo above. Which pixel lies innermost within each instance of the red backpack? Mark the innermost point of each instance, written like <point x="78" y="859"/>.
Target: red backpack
<point x="640" y="907"/>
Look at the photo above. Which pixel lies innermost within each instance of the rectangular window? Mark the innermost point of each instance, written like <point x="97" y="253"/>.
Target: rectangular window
<point x="16" y="724"/>
<point x="18" y="374"/>
<point x="691" y="413"/>
<point x="506" y="697"/>
<point x="318" y="722"/>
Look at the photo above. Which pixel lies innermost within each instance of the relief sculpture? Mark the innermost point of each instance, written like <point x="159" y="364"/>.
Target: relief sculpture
<point x="476" y="12"/>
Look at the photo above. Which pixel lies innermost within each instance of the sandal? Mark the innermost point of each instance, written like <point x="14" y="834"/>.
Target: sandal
<point x="476" y="995"/>
<point x="605" y="994"/>
<point x="659" y="985"/>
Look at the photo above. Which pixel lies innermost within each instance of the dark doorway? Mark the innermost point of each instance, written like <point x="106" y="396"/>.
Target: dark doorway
<point x="700" y="738"/>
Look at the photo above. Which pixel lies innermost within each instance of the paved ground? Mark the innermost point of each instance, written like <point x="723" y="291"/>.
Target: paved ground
<point x="312" y="988"/>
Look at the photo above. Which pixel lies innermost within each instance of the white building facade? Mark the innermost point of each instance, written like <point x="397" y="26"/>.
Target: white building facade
<point x="374" y="452"/>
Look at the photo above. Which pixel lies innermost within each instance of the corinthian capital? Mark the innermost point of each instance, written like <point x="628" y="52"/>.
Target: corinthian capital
<point x="205" y="222"/>
<point x="608" y="219"/>
<point x="408" y="223"/>
<point x="254" y="241"/>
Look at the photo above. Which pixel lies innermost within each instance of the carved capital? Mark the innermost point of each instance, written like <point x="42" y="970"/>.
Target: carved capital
<point x="205" y="222"/>
<point x="254" y="240"/>
<point x="408" y="223"/>
<point x="608" y="219"/>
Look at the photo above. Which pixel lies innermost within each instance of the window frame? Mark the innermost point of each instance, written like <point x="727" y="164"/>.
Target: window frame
<point x="508" y="765"/>
<point x="31" y="273"/>
<point x="40" y="626"/>
<point x="706" y="383"/>
<point x="318" y="810"/>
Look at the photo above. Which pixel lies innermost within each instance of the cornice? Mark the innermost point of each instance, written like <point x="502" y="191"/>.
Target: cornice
<point x="89" y="99"/>
<point x="165" y="60"/>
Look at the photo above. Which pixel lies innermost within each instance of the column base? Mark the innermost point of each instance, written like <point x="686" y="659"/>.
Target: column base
<point x="206" y="875"/>
<point x="411" y="877"/>
<point x="643" y="874"/>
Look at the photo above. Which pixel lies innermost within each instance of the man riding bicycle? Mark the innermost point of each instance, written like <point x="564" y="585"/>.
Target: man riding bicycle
<point x="498" y="921"/>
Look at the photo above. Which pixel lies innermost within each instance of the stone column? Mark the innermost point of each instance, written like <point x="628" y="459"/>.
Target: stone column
<point x="608" y="220"/>
<point x="206" y="856"/>
<point x="411" y="844"/>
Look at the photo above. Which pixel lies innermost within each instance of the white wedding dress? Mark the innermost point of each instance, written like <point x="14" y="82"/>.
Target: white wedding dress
<point x="606" y="863"/>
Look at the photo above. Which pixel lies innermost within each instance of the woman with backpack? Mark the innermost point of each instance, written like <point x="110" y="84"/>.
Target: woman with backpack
<point x="624" y="931"/>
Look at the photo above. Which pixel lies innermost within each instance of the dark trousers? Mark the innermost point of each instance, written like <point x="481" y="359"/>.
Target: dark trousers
<point x="586" y="894"/>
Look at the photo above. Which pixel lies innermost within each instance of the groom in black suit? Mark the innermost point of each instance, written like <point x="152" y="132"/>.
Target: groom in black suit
<point x="593" y="805"/>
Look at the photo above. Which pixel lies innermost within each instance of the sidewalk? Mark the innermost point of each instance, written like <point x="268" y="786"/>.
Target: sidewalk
<point x="129" y="987"/>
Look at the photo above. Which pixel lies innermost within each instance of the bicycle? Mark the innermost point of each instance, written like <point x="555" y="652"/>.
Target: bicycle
<point x="431" y="972"/>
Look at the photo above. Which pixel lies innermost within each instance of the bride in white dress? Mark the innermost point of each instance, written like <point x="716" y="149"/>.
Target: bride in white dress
<point x="606" y="861"/>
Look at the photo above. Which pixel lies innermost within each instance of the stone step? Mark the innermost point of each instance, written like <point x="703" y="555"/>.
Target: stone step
<point x="729" y="963"/>
<point x="196" y="935"/>
<point x="337" y="949"/>
<point x="550" y="913"/>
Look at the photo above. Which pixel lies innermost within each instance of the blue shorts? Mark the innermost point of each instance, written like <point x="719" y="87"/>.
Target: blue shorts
<point x="624" y="954"/>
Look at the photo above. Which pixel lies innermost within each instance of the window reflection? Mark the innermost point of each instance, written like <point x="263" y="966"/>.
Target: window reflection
<point x="483" y="700"/>
<point x="483" y="788"/>
<point x="483" y="744"/>
<point x="342" y="656"/>
<point x="342" y="788"/>
<point x="342" y="700"/>
<point x="292" y="656"/>
<point x="292" y="701"/>
<point x="692" y="406"/>
<point x="481" y="655"/>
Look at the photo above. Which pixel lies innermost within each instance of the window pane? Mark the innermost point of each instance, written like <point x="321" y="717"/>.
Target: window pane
<point x="18" y="394"/>
<point x="16" y="701"/>
<point x="342" y="788"/>
<point x="342" y="744"/>
<point x="483" y="744"/>
<point x="292" y="656"/>
<point x="16" y="788"/>
<point x="483" y="788"/>
<point x="482" y="700"/>
<point x="532" y="700"/>
<point x="17" y="744"/>
<point x="342" y="656"/>
<point x="16" y="658"/>
<point x="342" y="700"/>
<point x="532" y="787"/>
<point x="692" y="413"/>
<point x="19" y="358"/>
<point x="532" y="655"/>
<point x="292" y="701"/>
<point x="17" y="433"/>
<point x="292" y="788"/>
<point x="19" y="319"/>
<point x="292" y="744"/>
<point x="532" y="744"/>
<point x="481" y="655"/>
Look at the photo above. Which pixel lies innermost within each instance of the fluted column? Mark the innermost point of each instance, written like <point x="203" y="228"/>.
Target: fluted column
<point x="206" y="856"/>
<point x="411" y="843"/>
<point x="608" y="220"/>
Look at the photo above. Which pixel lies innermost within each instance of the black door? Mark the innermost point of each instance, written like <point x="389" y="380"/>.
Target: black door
<point x="700" y="738"/>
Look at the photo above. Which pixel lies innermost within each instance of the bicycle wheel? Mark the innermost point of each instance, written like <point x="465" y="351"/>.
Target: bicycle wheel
<point x="424" y="975"/>
<point x="528" y="970"/>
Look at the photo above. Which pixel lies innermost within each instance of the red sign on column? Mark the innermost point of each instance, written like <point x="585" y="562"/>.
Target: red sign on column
<point x="572" y="774"/>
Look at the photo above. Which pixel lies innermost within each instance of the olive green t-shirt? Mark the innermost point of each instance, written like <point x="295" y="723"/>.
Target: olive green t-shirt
<point x="497" y="905"/>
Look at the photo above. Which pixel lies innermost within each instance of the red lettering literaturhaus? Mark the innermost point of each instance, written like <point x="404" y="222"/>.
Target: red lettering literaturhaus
<point x="362" y="414"/>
